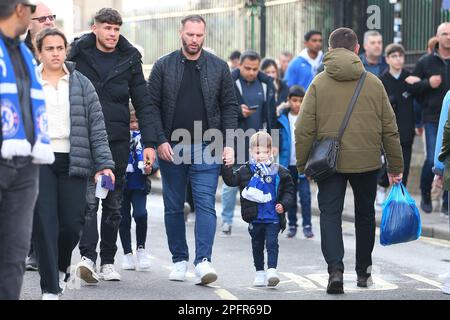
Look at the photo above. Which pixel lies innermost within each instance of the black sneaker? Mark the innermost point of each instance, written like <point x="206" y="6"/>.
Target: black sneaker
<point x="364" y="280"/>
<point x="336" y="283"/>
<point x="425" y="203"/>
<point x="292" y="232"/>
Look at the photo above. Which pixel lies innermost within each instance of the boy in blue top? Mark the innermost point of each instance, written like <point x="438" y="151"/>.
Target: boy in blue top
<point x="135" y="193"/>
<point x="288" y="116"/>
<point x="267" y="191"/>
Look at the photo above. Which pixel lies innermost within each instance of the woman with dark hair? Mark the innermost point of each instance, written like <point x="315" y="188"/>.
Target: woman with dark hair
<point x="79" y="141"/>
<point x="270" y="68"/>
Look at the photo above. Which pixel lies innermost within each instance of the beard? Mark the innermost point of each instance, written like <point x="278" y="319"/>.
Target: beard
<point x="188" y="50"/>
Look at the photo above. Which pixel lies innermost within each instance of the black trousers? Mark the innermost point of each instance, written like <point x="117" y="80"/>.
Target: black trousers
<point x="331" y="203"/>
<point x="407" y="153"/>
<point x="111" y="217"/>
<point x="18" y="194"/>
<point x="58" y="220"/>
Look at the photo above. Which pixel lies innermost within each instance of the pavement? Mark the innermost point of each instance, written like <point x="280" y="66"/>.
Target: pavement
<point x="434" y="225"/>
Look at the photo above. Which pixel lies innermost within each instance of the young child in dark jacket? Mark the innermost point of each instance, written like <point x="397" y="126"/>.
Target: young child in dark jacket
<point x="135" y="193"/>
<point x="267" y="192"/>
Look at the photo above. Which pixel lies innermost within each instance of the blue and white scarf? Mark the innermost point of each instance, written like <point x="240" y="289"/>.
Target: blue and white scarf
<point x="15" y="143"/>
<point x="259" y="188"/>
<point x="136" y="152"/>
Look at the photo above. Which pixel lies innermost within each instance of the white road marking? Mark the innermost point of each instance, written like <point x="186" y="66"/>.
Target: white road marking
<point x="300" y="281"/>
<point x="424" y="280"/>
<point x="378" y="283"/>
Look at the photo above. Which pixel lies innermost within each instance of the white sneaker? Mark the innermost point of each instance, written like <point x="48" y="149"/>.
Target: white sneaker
<point x="226" y="229"/>
<point x="205" y="273"/>
<point x="179" y="270"/>
<point x="128" y="262"/>
<point x="143" y="259"/>
<point x="272" y="278"/>
<point x="50" y="296"/>
<point x="85" y="270"/>
<point x="260" y="279"/>
<point x="108" y="273"/>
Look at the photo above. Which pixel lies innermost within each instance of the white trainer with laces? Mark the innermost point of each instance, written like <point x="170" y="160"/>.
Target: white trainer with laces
<point x="85" y="270"/>
<point x="128" y="262"/>
<point x="272" y="278"/>
<point x="179" y="270"/>
<point x="260" y="279"/>
<point x="143" y="259"/>
<point x="109" y="273"/>
<point x="205" y="273"/>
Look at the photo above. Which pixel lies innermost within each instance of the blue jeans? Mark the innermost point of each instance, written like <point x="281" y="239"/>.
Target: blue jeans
<point x="204" y="178"/>
<point x="228" y="203"/>
<point x="264" y="235"/>
<point x="427" y="176"/>
<point x="304" y="192"/>
<point x="137" y="198"/>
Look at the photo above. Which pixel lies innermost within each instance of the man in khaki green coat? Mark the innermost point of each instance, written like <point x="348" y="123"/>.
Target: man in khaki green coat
<point x="372" y="127"/>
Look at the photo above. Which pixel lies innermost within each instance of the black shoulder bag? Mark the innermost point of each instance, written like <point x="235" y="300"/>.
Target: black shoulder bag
<point x="322" y="160"/>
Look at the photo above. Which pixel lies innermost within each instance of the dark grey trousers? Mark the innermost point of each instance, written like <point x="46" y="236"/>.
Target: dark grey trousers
<point x="18" y="194"/>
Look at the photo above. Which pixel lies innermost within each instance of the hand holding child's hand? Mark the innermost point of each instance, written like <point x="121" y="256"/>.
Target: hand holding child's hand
<point x="279" y="208"/>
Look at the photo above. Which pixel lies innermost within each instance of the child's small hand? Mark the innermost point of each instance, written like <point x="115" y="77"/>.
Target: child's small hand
<point x="279" y="208"/>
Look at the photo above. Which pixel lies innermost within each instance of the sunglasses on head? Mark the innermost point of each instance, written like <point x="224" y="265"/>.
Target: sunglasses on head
<point x="44" y="18"/>
<point x="31" y="6"/>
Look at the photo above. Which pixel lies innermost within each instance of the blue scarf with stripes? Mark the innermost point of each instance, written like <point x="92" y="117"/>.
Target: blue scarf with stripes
<point x="15" y="143"/>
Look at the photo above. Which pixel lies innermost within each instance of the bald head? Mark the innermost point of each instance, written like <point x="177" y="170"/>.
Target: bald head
<point x="46" y="20"/>
<point x="443" y="35"/>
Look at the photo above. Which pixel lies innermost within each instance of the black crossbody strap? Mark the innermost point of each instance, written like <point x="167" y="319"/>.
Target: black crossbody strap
<point x="352" y="105"/>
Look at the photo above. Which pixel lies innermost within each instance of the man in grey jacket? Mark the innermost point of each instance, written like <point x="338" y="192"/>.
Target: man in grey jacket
<point x="190" y="87"/>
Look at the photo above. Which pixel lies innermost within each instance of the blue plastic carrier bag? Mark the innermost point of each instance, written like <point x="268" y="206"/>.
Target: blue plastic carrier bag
<point x="401" y="219"/>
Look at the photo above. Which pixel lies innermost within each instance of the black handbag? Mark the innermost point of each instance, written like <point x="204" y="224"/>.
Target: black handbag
<point x="322" y="160"/>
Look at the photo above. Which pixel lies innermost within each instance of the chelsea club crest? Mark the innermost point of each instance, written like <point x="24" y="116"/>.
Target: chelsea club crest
<point x="268" y="179"/>
<point x="10" y="119"/>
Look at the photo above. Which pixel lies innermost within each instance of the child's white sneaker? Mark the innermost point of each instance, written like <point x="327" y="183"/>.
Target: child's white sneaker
<point x="260" y="279"/>
<point x="128" y="262"/>
<point x="272" y="278"/>
<point x="143" y="259"/>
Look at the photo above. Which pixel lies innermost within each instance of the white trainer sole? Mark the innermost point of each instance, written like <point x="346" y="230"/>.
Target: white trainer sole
<point x="206" y="279"/>
<point x="273" y="282"/>
<point x="87" y="275"/>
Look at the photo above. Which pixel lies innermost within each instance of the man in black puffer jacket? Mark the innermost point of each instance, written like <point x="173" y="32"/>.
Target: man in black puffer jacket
<point x="267" y="192"/>
<point x="114" y="67"/>
<point x="191" y="91"/>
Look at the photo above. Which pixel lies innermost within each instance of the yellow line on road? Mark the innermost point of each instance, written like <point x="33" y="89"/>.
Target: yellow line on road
<point x="225" y="294"/>
<point x="436" y="242"/>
